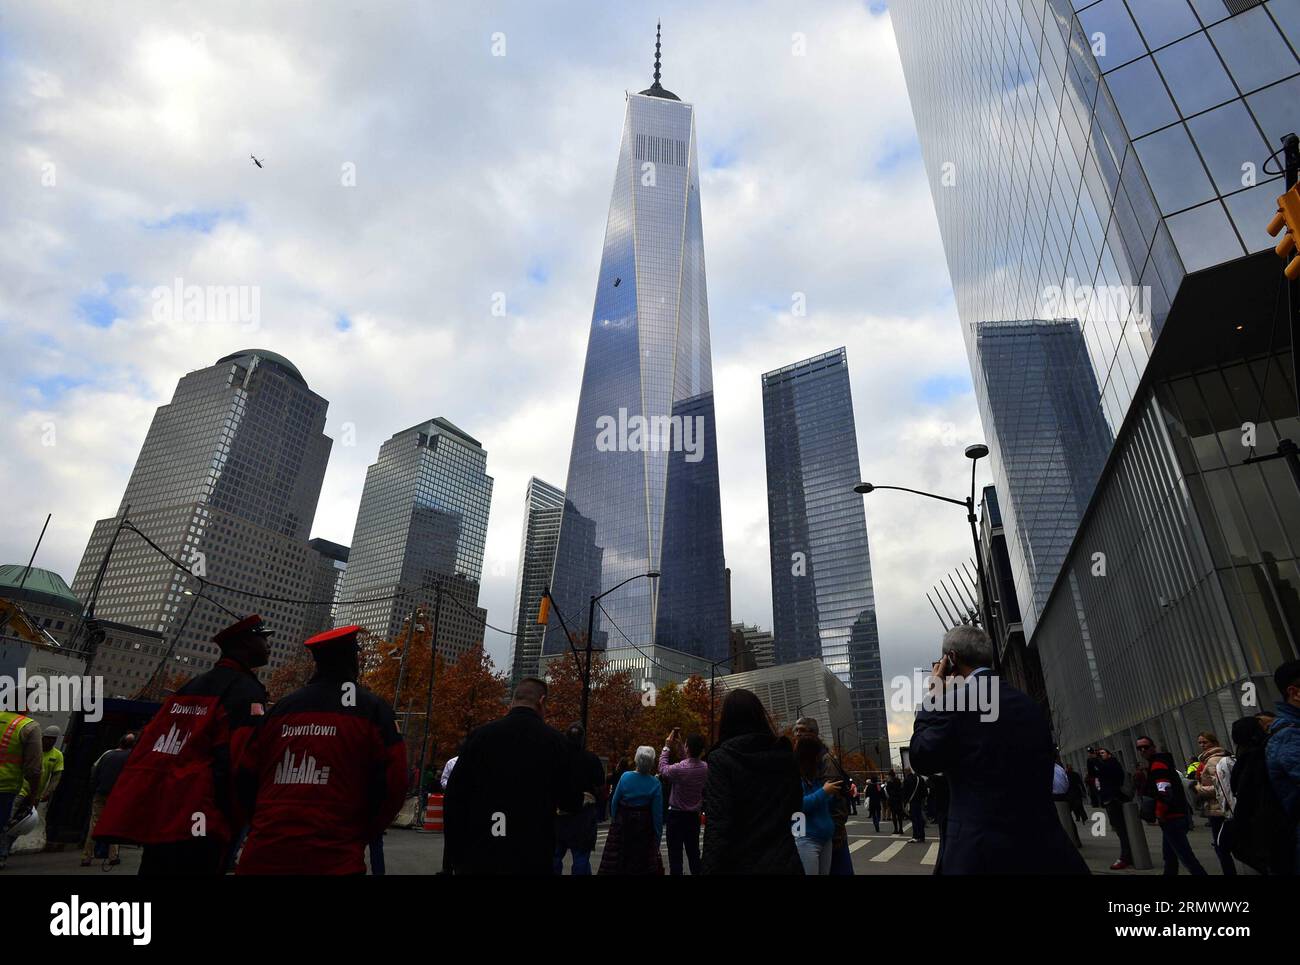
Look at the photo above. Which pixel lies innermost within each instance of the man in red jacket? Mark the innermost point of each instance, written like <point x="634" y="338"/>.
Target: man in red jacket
<point x="1166" y="785"/>
<point x="175" y="793"/>
<point x="325" y="773"/>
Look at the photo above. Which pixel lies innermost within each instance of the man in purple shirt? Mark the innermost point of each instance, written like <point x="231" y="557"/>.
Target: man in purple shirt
<point x="687" y="779"/>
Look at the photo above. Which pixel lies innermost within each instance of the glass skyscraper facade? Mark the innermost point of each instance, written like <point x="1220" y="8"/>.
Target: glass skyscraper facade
<point x="1104" y="162"/>
<point x="543" y="509"/>
<point x="422" y="523"/>
<point x="226" y="482"/>
<point x="1048" y="437"/>
<point x="642" y="490"/>
<point x="822" y="601"/>
<point x="330" y="563"/>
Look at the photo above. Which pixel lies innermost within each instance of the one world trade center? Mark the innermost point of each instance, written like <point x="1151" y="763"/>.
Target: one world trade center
<point x="642" y="492"/>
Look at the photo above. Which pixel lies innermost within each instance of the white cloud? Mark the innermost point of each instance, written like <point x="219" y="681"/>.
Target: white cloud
<point x="473" y="173"/>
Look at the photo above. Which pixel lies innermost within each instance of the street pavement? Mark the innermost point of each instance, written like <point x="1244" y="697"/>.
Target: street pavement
<point x="408" y="852"/>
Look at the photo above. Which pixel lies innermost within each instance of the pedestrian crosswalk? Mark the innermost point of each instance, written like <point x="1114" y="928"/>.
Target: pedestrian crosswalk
<point x="880" y="852"/>
<point x="891" y="851"/>
<point x="871" y="848"/>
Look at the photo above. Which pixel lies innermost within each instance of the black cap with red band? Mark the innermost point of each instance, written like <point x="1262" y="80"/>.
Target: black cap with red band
<point x="251" y="624"/>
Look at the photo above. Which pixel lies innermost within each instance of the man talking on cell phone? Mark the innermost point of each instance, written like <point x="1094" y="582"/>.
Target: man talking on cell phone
<point x="997" y="755"/>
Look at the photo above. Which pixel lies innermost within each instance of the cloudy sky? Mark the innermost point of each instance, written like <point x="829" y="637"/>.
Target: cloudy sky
<point x="482" y="139"/>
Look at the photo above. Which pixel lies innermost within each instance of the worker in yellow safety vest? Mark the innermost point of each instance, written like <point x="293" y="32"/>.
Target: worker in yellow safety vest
<point x="51" y="765"/>
<point x="20" y="764"/>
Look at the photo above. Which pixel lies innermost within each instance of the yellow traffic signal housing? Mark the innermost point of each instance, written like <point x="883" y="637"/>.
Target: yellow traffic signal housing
<point x="1288" y="218"/>
<point x="544" y="611"/>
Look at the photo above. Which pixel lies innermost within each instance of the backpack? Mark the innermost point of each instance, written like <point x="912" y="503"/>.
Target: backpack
<point x="1262" y="834"/>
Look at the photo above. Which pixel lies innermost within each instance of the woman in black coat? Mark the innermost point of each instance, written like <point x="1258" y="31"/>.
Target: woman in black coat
<point x="894" y="797"/>
<point x="751" y="795"/>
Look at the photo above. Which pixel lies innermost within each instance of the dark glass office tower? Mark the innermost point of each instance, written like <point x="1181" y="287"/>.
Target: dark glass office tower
<point x="227" y="482"/>
<point x="329" y="565"/>
<point x="642" y="492"/>
<point x="822" y="600"/>
<point x="543" y="509"/>
<point x="422" y="523"/>
<point x="1048" y="435"/>
<point x="1105" y="162"/>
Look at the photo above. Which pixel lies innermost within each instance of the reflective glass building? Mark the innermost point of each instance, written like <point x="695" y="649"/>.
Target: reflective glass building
<point x="422" y="522"/>
<point x="543" y="508"/>
<point x="226" y="482"/>
<point x="1104" y="162"/>
<point x="1048" y="437"/>
<point x="822" y="600"/>
<point x="642" y="490"/>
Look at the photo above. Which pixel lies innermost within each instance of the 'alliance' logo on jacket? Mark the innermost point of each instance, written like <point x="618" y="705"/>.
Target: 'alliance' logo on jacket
<point x="289" y="771"/>
<point x="171" y="742"/>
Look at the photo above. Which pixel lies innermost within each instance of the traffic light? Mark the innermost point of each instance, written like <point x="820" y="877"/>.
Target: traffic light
<point x="544" y="610"/>
<point x="1288" y="219"/>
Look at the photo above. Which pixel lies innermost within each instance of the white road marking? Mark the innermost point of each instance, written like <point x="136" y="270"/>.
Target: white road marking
<point x="931" y="854"/>
<point x="892" y="850"/>
<point x="858" y="844"/>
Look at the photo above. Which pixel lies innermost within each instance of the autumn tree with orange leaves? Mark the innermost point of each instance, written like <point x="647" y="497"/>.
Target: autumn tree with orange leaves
<point x="695" y="692"/>
<point x="669" y="709"/>
<point x="466" y="693"/>
<point x="290" y="675"/>
<point x="853" y="761"/>
<point x="382" y="663"/>
<point x="614" y="708"/>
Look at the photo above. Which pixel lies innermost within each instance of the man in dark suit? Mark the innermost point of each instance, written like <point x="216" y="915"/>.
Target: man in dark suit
<point x="914" y="794"/>
<point x="993" y="744"/>
<point x="512" y="776"/>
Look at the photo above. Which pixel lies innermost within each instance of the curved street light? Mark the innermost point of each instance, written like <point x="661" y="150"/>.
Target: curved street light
<point x="974" y="452"/>
<point x="713" y="667"/>
<point x="591" y="618"/>
<point x="808" y="703"/>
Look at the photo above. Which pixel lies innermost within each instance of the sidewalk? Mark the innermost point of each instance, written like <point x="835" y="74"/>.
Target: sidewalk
<point x="1101" y="852"/>
<point x="414" y="853"/>
<point x="68" y="862"/>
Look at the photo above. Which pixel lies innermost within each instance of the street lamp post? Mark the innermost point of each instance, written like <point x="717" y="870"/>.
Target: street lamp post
<point x="712" y="667"/>
<point x="809" y="703"/>
<point x="433" y="666"/>
<point x="591" y="619"/>
<point x="974" y="453"/>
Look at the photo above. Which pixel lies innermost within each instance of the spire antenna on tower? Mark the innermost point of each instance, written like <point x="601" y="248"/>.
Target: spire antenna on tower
<point x="657" y="89"/>
<point x="658" y="26"/>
